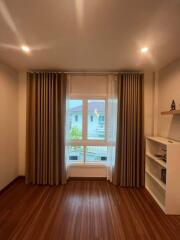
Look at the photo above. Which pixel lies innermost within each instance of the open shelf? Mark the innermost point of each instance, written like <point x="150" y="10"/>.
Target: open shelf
<point x="175" y="112"/>
<point x="161" y="184"/>
<point x="163" y="141"/>
<point x="167" y="195"/>
<point x="160" y="162"/>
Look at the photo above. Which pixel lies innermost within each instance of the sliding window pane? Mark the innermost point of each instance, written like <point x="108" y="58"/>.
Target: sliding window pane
<point x="75" y="119"/>
<point x="96" y="120"/>
<point x="96" y="153"/>
<point x="76" y="153"/>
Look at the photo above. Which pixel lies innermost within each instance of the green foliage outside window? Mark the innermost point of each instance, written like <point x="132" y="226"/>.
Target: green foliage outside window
<point x="75" y="133"/>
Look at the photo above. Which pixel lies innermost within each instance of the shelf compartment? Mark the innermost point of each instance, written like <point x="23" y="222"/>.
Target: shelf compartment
<point x="154" y="169"/>
<point x="158" y="161"/>
<point x="159" y="182"/>
<point x="156" y="191"/>
<point x="162" y="141"/>
<point x="152" y="148"/>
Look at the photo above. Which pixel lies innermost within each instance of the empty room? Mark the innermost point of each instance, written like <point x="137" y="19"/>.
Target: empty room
<point x="90" y="120"/>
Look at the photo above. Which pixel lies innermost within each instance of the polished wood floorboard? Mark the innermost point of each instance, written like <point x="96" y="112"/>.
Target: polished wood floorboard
<point x="82" y="210"/>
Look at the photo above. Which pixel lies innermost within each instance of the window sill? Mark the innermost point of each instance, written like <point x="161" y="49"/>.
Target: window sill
<point x="87" y="165"/>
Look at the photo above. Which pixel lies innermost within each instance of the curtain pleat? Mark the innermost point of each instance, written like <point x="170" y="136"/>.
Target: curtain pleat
<point x="46" y="103"/>
<point x="129" y="165"/>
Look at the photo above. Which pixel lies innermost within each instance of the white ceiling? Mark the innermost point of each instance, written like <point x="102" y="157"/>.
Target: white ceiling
<point x="89" y="34"/>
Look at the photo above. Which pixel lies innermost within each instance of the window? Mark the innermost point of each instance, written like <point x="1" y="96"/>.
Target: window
<point x="76" y="153"/>
<point x="87" y="130"/>
<point x="96" y="129"/>
<point x="75" y="119"/>
<point x="96" y="153"/>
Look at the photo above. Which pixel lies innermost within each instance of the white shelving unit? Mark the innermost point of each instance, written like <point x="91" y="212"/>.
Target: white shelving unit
<point x="166" y="194"/>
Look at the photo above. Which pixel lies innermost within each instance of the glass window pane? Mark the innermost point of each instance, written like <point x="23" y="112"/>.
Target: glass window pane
<point x="96" y="153"/>
<point x="76" y="153"/>
<point x="96" y="120"/>
<point x="75" y="119"/>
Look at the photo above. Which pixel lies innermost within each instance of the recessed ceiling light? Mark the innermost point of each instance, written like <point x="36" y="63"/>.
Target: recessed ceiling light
<point x="25" y="48"/>
<point x="144" y="49"/>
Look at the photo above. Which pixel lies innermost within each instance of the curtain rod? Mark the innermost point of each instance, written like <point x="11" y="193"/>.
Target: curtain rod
<point x="85" y="72"/>
<point x="91" y="72"/>
<point x="100" y="72"/>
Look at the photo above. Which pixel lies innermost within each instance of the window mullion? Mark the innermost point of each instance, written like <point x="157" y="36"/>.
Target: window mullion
<point x="106" y="119"/>
<point x="85" y="118"/>
<point x="84" y="154"/>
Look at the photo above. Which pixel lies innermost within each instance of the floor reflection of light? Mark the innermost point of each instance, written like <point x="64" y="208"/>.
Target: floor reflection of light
<point x="76" y="201"/>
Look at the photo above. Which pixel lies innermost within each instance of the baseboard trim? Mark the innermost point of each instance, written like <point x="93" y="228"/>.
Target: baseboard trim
<point x="11" y="183"/>
<point x="69" y="179"/>
<point x="87" y="179"/>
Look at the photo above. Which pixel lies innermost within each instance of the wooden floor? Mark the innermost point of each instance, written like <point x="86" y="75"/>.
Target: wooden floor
<point x="84" y="210"/>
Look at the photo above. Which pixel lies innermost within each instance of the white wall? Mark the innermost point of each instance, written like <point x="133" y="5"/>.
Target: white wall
<point x="149" y="98"/>
<point x="88" y="170"/>
<point x="169" y="89"/>
<point x="22" y="122"/>
<point x="8" y="125"/>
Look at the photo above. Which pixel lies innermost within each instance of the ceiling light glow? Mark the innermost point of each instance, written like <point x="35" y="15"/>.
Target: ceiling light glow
<point x="25" y="48"/>
<point x="144" y="49"/>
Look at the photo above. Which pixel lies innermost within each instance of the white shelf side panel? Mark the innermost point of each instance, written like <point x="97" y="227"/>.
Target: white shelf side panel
<point x="173" y="180"/>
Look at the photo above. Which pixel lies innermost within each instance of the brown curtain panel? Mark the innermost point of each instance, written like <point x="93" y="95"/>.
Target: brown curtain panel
<point x="46" y="101"/>
<point x="129" y="165"/>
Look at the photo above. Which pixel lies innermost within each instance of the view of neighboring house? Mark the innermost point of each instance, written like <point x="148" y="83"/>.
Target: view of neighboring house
<point x="95" y="119"/>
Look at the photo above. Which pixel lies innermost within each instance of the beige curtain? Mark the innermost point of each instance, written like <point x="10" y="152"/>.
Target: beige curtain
<point x="46" y="103"/>
<point x="129" y="165"/>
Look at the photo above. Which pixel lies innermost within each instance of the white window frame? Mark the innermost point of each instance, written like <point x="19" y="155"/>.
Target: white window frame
<point x="84" y="142"/>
